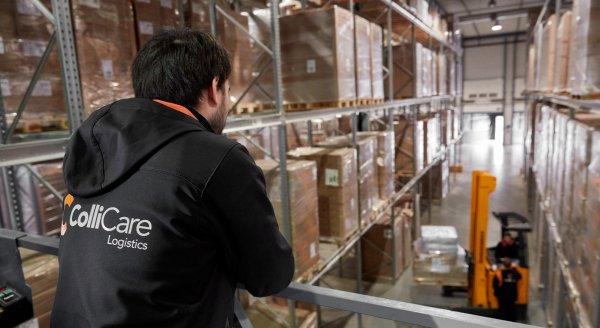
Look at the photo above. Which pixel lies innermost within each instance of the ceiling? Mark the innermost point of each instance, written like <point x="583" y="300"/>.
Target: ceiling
<point x="475" y="15"/>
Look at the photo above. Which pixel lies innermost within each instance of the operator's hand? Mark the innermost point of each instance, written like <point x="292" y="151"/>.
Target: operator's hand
<point x="513" y="265"/>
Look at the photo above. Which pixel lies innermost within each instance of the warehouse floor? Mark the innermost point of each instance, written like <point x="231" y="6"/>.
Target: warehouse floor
<point x="510" y="195"/>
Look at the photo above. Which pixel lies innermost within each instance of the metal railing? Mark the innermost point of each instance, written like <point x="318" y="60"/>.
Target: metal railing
<point x="378" y="307"/>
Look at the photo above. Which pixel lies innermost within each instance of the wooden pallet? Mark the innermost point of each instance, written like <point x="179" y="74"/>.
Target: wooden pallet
<point x="456" y="169"/>
<point x="247" y="109"/>
<point x="591" y="96"/>
<point x="309" y="274"/>
<point x="338" y="240"/>
<point x="297" y="107"/>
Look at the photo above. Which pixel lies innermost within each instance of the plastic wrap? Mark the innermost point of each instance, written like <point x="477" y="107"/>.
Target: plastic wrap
<point x="432" y="139"/>
<point x="405" y="86"/>
<point x="362" y="34"/>
<point x="152" y="16"/>
<point x="567" y="197"/>
<point x="558" y="164"/>
<point x="547" y="55"/>
<point x="584" y="55"/>
<point x="405" y="133"/>
<point x="541" y="148"/>
<point x="376" y="47"/>
<point x="105" y="42"/>
<point x="591" y="229"/>
<point x="368" y="191"/>
<point x="452" y="76"/>
<point x="442" y="79"/>
<point x="302" y="176"/>
<point x="564" y="36"/>
<point x="384" y="162"/>
<point x="376" y="249"/>
<point x="41" y="274"/>
<point x="434" y="73"/>
<point x="440" y="174"/>
<point x="449" y="269"/>
<point x="317" y="56"/>
<point x="259" y="26"/>
<point x="442" y="235"/>
<point x="424" y="73"/>
<point x="531" y="67"/>
<point x="338" y="194"/>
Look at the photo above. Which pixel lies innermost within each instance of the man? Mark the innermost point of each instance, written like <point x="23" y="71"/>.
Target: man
<point x="164" y="215"/>
<point x="505" y="289"/>
<point x="507" y="247"/>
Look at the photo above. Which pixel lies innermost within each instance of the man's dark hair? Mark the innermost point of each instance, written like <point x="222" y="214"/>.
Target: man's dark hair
<point x="176" y="65"/>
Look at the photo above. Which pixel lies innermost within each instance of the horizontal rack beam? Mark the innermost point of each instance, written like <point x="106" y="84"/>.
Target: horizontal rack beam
<point x="331" y="261"/>
<point x="568" y="102"/>
<point x="32" y="151"/>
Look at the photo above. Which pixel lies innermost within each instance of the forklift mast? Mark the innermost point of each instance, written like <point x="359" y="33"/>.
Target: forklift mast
<point x="483" y="185"/>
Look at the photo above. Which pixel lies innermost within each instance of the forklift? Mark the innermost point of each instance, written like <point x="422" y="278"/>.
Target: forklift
<point x="482" y="261"/>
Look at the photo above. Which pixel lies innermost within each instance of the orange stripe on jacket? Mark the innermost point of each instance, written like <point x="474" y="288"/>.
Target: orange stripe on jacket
<point x="176" y="107"/>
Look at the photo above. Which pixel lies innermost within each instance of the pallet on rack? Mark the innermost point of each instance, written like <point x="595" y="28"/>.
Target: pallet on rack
<point x="308" y="274"/>
<point x="591" y="96"/>
<point x="247" y="109"/>
<point x="297" y="107"/>
<point x="339" y="241"/>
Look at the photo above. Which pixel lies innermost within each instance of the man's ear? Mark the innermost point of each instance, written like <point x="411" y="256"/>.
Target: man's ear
<point x="213" y="93"/>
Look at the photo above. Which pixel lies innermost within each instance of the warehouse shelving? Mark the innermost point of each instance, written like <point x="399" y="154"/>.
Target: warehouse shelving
<point x="23" y="153"/>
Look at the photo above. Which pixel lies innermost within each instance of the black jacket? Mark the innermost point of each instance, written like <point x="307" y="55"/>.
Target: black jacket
<point x="505" y="286"/>
<point x="163" y="219"/>
<point x="506" y="250"/>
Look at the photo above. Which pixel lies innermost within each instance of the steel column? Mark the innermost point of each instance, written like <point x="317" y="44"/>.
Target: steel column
<point x="68" y="59"/>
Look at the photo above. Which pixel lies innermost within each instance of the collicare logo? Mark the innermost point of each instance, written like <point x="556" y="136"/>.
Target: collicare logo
<point x="108" y="219"/>
<point x="68" y="201"/>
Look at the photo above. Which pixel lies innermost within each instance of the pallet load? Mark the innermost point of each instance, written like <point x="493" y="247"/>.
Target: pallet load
<point x="362" y="60"/>
<point x="383" y="157"/>
<point x="438" y="257"/>
<point x="440" y="181"/>
<point x="237" y="44"/>
<point x="432" y="139"/>
<point x="106" y="46"/>
<point x="297" y="133"/>
<point x="546" y="52"/>
<point x="376" y="247"/>
<point x="338" y="194"/>
<point x="317" y="59"/>
<point x="376" y="69"/>
<point x="304" y="211"/>
<point x="24" y="35"/>
<point x="584" y="56"/>
<point x="50" y="208"/>
<point x="410" y="142"/>
<point x="152" y="16"/>
<point x="564" y="37"/>
<point x="367" y="187"/>
<point x="442" y="77"/>
<point x="41" y="274"/>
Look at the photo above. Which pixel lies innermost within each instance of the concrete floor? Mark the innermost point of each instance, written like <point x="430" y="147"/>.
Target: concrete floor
<point x="478" y="153"/>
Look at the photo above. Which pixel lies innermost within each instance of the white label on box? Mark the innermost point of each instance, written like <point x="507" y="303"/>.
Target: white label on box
<point x="107" y="69"/>
<point x="198" y="9"/>
<point x="166" y="3"/>
<point x="1" y="46"/>
<point x="352" y="204"/>
<point x="42" y="88"/>
<point x="387" y="234"/>
<point x="26" y="7"/>
<point x="146" y="27"/>
<point x="5" y="87"/>
<point x="347" y="224"/>
<point x="143" y="1"/>
<point x="90" y="3"/>
<point x="311" y="66"/>
<point x="332" y="177"/>
<point x="33" y="48"/>
<point x="313" y="249"/>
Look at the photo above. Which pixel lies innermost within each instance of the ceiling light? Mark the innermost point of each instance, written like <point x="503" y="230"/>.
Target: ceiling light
<point x="496" y="26"/>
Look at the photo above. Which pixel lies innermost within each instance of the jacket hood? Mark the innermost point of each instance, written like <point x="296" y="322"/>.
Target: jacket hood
<point x="118" y="139"/>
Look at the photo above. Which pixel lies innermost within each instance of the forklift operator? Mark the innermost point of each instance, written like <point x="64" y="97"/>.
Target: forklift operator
<point x="165" y="216"/>
<point x="507" y="247"/>
<point x="505" y="289"/>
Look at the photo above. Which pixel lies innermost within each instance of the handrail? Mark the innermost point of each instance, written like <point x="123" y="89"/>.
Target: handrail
<point x="346" y="301"/>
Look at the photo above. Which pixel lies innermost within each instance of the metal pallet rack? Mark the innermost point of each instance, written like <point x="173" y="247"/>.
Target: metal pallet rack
<point x="549" y="245"/>
<point x="24" y="153"/>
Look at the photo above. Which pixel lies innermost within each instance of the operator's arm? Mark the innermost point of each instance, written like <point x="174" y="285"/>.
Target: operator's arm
<point x="263" y="260"/>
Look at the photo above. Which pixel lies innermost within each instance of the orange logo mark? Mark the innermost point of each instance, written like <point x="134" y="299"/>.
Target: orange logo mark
<point x="68" y="201"/>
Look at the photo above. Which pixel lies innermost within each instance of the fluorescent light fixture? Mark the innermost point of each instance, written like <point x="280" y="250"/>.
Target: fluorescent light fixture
<point x="497" y="26"/>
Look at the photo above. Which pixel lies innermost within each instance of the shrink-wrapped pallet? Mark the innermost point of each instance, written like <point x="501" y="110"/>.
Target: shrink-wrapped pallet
<point x="302" y="178"/>
<point x="105" y="44"/>
<point x="541" y="148"/>
<point x="362" y="34"/>
<point x="584" y="55"/>
<point x="410" y="142"/>
<point x="547" y="55"/>
<point x="338" y="194"/>
<point x="590" y="250"/>
<point x="384" y="162"/>
<point x="152" y="16"/>
<point x="438" y="257"/>
<point x="565" y="229"/>
<point x="564" y="36"/>
<point x="24" y="35"/>
<point x="366" y="169"/>
<point x="432" y="139"/>
<point x="407" y="83"/>
<point x="376" y="46"/>
<point x="442" y="79"/>
<point x="558" y="163"/>
<point x="317" y="56"/>
<point x="531" y="67"/>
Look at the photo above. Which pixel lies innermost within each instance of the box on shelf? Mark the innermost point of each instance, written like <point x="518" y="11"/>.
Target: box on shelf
<point x="377" y="246"/>
<point x="403" y="70"/>
<point x="362" y="57"/>
<point x="41" y="274"/>
<point x="366" y="169"/>
<point x="442" y="77"/>
<point x="440" y="181"/>
<point x="323" y="73"/>
<point x="547" y="54"/>
<point x="153" y="16"/>
<point x="376" y="46"/>
<point x="431" y="129"/>
<point x="50" y="208"/>
<point x="384" y="161"/>
<point x="338" y="194"/>
<point x="410" y="142"/>
<point x="297" y="133"/>
<point x="564" y="37"/>
<point x="106" y="46"/>
<point x="584" y="55"/>
<point x="304" y="209"/>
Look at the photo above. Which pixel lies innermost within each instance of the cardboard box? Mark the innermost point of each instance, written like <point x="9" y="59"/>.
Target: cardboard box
<point x="362" y="37"/>
<point x="106" y="46"/>
<point x="41" y="274"/>
<point x="377" y="245"/>
<point x="302" y="179"/>
<point x="337" y="189"/>
<point x="384" y="162"/>
<point x="584" y="54"/>
<point x="376" y="46"/>
<point x="153" y="16"/>
<point x="405" y="132"/>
